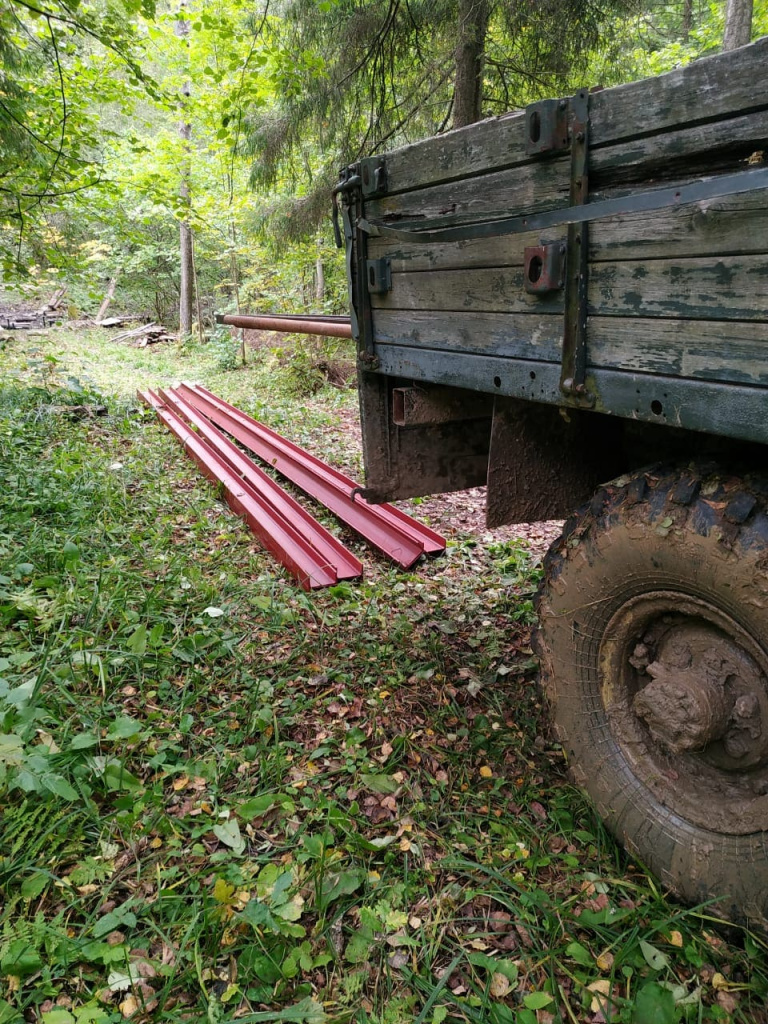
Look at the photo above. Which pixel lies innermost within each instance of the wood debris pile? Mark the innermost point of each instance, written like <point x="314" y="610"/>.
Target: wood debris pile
<point x="24" y="320"/>
<point x="147" y="334"/>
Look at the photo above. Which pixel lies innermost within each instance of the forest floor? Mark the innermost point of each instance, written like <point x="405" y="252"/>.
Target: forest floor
<point x="225" y="799"/>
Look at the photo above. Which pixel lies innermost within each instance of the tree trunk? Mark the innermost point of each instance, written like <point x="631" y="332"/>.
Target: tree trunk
<point x="200" y="333"/>
<point x="687" y="24"/>
<point x="738" y="24"/>
<point x="187" y="274"/>
<point x="107" y="299"/>
<point x="319" y="274"/>
<point x="468" y="87"/>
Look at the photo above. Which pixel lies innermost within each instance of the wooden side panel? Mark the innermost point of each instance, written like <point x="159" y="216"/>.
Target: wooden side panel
<point x="718" y="145"/>
<point x="541" y="186"/>
<point x="723" y="86"/>
<point x="719" y="227"/>
<point x="725" y="288"/>
<point x="495" y="290"/>
<point x="697" y="349"/>
<point x="706" y="90"/>
<point x="686" y="348"/>
<point x="522" y="336"/>
<point x="677" y="327"/>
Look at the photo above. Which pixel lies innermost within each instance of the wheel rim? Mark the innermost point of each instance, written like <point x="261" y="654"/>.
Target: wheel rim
<point x="685" y="689"/>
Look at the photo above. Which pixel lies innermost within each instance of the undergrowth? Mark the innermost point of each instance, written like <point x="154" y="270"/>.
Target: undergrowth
<point x="224" y="799"/>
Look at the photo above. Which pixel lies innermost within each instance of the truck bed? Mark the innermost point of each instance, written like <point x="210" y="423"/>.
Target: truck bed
<point x="673" y="322"/>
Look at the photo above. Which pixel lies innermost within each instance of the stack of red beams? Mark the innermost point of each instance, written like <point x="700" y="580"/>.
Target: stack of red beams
<point x="312" y="554"/>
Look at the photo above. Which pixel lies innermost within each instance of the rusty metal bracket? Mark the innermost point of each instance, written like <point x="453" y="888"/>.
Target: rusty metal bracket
<point x="544" y="268"/>
<point x="546" y="127"/>
<point x="373" y="171"/>
<point x="573" y="370"/>
<point x="349" y="181"/>
<point x="379" y="276"/>
<point x="350" y="190"/>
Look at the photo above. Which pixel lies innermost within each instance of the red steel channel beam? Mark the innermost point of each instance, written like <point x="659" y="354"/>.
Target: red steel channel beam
<point x="330" y="329"/>
<point x="277" y="535"/>
<point x="329" y="547"/>
<point x="430" y="540"/>
<point x="392" y="532"/>
<point x="313" y="477"/>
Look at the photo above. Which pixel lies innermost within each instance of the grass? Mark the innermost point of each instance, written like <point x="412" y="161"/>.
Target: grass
<point x="224" y="799"/>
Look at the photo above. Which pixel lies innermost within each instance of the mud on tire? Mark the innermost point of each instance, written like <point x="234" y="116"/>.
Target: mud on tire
<point x="654" y="651"/>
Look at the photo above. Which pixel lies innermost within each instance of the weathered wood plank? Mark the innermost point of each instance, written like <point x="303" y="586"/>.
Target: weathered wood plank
<point x="715" y="87"/>
<point x="737" y="225"/>
<point x="722" y="288"/>
<point x="542" y="186"/>
<point x="722" y="145"/>
<point x="472" y="291"/>
<point x="736" y="352"/>
<point x="698" y="349"/>
<point x="722" y="86"/>
<point x="517" y="336"/>
<point x="497" y="142"/>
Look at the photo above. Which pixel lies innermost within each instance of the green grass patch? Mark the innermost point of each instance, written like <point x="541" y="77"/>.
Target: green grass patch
<point x="224" y="799"/>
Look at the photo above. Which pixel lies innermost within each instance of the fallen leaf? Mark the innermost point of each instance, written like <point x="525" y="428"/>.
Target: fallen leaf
<point x="500" y="986"/>
<point x="601" y="990"/>
<point x="129" y="1006"/>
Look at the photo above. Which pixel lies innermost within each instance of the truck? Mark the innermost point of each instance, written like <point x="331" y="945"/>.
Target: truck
<point x="577" y="293"/>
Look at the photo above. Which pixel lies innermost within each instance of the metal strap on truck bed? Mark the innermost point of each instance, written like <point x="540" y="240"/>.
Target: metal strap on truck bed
<point x="638" y="202"/>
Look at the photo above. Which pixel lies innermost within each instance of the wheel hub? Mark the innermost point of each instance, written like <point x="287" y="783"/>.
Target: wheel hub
<point x="703" y="688"/>
<point x="686" y="690"/>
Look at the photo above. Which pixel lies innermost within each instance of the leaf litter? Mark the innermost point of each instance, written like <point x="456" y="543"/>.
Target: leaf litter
<point x="225" y="800"/>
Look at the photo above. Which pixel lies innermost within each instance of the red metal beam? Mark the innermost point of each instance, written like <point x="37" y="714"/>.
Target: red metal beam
<point x="329" y="547"/>
<point x="392" y="532"/>
<point x="297" y="325"/>
<point x="431" y="541"/>
<point x="277" y="535"/>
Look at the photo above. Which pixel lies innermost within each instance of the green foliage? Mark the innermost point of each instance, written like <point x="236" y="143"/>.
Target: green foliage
<point x="59" y="64"/>
<point x="287" y="807"/>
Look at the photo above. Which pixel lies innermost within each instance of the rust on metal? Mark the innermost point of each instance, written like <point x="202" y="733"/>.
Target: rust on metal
<point x="327" y="327"/>
<point x="419" y="406"/>
<point x="544" y="268"/>
<point x="391" y="531"/>
<point x="277" y="534"/>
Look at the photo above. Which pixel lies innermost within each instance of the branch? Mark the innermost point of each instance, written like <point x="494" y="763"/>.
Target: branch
<point x="24" y="127"/>
<point x="93" y="33"/>
<point x="50" y="195"/>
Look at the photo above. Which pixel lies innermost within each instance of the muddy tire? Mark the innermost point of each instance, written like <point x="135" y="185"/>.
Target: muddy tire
<point x="654" y="652"/>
